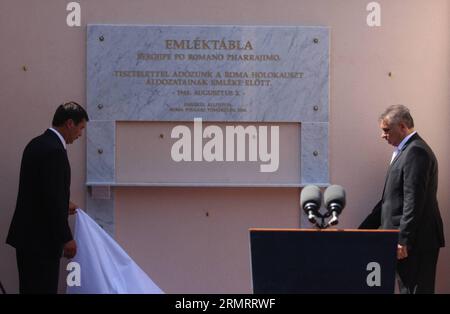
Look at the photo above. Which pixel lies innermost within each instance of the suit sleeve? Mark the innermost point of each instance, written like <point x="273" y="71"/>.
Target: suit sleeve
<point x="373" y="221"/>
<point x="56" y="195"/>
<point x="416" y="174"/>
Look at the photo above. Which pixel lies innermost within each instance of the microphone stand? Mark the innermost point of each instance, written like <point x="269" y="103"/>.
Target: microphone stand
<point x="322" y="224"/>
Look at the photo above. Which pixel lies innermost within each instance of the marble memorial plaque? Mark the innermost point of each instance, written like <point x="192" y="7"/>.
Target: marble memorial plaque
<point x="217" y="73"/>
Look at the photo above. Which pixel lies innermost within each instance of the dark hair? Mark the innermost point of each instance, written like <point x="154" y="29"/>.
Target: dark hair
<point x="69" y="110"/>
<point x="396" y="114"/>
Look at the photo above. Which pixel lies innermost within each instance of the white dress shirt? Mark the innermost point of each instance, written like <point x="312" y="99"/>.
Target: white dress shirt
<point x="398" y="149"/>
<point x="60" y="137"/>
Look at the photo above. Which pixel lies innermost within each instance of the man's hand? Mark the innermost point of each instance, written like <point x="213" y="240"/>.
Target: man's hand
<point x="402" y="251"/>
<point x="70" y="249"/>
<point x="72" y="208"/>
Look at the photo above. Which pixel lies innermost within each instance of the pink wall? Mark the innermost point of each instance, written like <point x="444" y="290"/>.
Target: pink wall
<point x="137" y="160"/>
<point x="171" y="223"/>
<point x="196" y="240"/>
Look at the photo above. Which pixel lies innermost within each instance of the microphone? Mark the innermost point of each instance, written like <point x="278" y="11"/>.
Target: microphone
<point x="334" y="198"/>
<point x="310" y="200"/>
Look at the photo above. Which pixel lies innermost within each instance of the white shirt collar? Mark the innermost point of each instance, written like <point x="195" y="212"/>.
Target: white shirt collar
<point x="402" y="143"/>
<point x="60" y="137"/>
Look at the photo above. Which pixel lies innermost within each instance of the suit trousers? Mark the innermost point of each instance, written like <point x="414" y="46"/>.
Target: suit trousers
<point x="37" y="274"/>
<point x="416" y="274"/>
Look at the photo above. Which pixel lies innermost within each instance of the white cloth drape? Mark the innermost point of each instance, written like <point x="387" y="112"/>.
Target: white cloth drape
<point x="104" y="266"/>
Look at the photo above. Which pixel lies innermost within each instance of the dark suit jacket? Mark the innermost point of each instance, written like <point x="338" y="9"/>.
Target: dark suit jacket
<point x="409" y="201"/>
<point x="40" y="224"/>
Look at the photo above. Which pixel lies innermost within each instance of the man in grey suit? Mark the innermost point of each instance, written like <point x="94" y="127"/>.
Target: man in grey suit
<point x="409" y="203"/>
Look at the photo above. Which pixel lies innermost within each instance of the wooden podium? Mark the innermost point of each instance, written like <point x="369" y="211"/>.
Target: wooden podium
<point x="323" y="261"/>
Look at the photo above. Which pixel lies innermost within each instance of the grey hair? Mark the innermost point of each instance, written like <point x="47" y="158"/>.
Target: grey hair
<point x="397" y="113"/>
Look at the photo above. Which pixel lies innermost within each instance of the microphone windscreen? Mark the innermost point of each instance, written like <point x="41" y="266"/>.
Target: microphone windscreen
<point x="334" y="194"/>
<point x="310" y="193"/>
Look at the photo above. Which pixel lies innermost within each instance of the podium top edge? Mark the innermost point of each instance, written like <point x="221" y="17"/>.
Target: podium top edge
<point x="319" y="230"/>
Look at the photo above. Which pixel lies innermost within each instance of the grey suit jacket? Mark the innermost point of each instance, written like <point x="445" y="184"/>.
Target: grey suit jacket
<point x="409" y="202"/>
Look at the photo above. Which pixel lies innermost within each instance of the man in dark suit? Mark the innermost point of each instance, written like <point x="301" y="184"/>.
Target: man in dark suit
<point x="409" y="203"/>
<point x="39" y="229"/>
